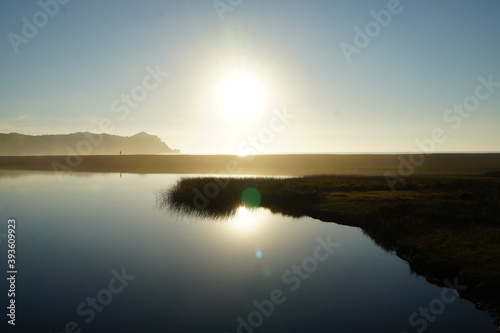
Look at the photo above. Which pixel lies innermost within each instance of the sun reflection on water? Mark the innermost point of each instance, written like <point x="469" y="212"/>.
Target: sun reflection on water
<point x="245" y="219"/>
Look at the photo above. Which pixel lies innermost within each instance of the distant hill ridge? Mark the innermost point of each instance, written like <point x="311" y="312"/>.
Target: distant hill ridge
<point x="81" y="143"/>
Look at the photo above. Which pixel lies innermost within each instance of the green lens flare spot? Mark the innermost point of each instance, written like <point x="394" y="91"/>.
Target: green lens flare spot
<point x="250" y="197"/>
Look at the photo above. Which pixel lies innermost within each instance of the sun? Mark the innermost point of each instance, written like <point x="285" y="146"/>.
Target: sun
<point x="241" y="94"/>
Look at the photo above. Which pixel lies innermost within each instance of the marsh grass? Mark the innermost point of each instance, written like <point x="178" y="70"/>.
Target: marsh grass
<point x="446" y="225"/>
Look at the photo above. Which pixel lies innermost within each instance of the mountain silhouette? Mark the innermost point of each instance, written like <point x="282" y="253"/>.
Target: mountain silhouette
<point x="81" y="143"/>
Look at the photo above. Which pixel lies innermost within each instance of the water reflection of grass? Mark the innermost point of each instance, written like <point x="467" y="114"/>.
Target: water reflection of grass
<point x="444" y="226"/>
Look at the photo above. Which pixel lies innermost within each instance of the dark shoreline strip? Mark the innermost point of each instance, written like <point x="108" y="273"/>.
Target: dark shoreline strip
<point x="294" y="165"/>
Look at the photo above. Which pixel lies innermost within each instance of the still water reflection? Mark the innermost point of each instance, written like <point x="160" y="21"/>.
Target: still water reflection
<point x="94" y="254"/>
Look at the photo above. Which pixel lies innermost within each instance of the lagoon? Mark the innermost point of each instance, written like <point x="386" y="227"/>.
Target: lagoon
<point x="95" y="253"/>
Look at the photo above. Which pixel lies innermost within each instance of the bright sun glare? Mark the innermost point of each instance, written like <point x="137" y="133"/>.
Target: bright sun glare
<point x="241" y="95"/>
<point x="244" y="220"/>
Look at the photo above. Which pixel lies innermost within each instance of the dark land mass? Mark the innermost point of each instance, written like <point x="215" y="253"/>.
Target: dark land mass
<point x="446" y="227"/>
<point x="293" y="165"/>
<point x="14" y="144"/>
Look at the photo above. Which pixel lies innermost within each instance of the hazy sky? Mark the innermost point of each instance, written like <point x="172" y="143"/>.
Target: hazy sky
<point x="71" y="67"/>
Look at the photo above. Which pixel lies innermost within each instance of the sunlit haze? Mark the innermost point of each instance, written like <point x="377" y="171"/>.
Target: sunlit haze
<point x="349" y="76"/>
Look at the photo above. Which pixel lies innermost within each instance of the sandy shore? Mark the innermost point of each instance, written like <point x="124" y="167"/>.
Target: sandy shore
<point x="295" y="165"/>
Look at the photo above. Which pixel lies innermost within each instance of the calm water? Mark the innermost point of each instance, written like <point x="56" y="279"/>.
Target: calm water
<point x="257" y="272"/>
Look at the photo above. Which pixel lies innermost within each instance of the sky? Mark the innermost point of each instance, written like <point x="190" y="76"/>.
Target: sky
<point x="271" y="76"/>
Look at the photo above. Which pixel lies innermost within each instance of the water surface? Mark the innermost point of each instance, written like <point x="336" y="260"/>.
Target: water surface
<point x="195" y="275"/>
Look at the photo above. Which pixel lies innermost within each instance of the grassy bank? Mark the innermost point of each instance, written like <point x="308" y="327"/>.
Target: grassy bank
<point x="444" y="226"/>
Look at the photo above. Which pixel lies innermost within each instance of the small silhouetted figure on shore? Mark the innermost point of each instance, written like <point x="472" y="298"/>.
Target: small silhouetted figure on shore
<point x="120" y="152"/>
